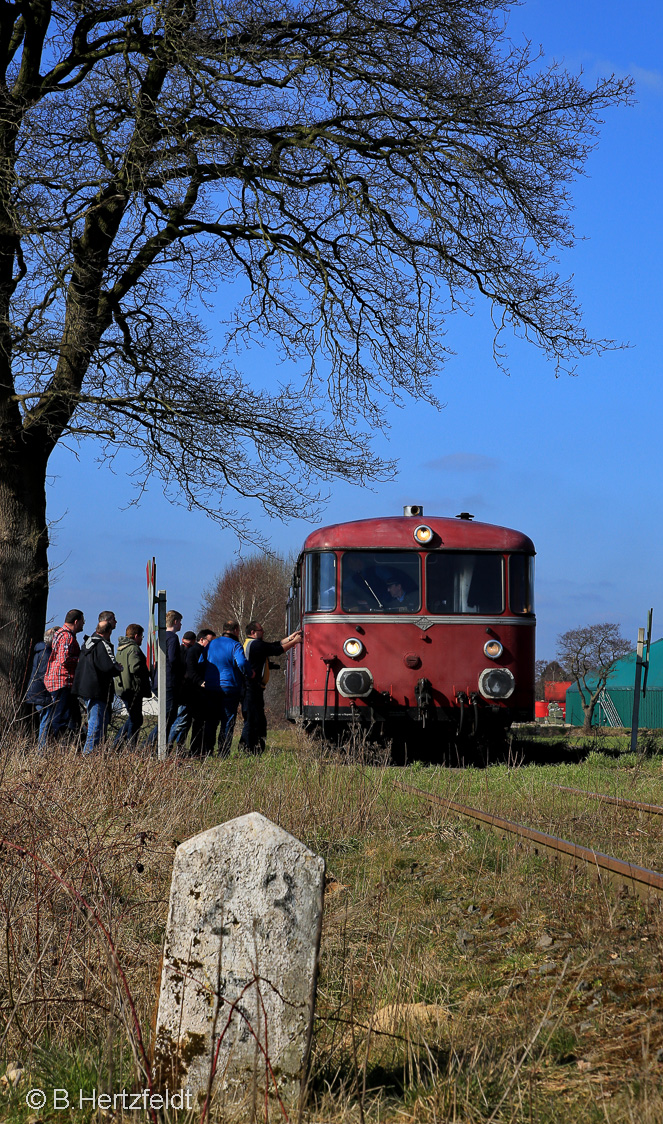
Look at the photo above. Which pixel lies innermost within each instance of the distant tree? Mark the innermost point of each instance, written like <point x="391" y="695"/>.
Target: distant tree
<point x="547" y="671"/>
<point x="590" y="654"/>
<point x="255" y="588"/>
<point x="344" y="173"/>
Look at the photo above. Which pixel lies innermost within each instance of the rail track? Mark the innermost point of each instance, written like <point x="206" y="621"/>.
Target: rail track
<point x="620" y="801"/>
<point x="641" y="881"/>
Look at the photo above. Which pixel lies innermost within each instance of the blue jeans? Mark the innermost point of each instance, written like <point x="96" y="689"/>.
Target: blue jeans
<point x="55" y="716"/>
<point x="180" y="727"/>
<point x="223" y="707"/>
<point x="98" y="716"/>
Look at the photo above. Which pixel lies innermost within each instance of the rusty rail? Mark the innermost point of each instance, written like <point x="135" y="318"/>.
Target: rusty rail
<point x="620" y="801"/>
<point x="642" y="881"/>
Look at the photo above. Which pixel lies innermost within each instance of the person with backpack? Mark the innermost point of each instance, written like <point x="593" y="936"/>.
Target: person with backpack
<point x="61" y="713"/>
<point x="133" y="684"/>
<point x="36" y="696"/>
<point x="93" y="681"/>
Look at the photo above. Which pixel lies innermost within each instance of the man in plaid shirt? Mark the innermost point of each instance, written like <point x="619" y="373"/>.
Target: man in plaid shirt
<point x="60" y="676"/>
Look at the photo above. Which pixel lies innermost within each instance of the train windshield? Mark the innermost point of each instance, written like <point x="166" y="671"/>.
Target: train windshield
<point x="464" y="583"/>
<point x="381" y="581"/>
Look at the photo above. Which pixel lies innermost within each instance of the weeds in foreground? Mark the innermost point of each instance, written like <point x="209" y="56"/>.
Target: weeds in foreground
<point x="461" y="979"/>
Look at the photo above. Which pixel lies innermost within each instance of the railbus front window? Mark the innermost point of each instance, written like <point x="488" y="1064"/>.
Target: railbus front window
<point x="460" y="582"/>
<point x="380" y="581"/>
<point x="320" y="582"/>
<point x="521" y="583"/>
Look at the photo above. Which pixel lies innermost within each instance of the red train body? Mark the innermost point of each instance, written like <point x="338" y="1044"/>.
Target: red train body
<point x="413" y="626"/>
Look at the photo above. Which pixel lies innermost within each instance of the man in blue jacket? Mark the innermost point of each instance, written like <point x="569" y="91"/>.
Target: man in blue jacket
<point x="225" y="670"/>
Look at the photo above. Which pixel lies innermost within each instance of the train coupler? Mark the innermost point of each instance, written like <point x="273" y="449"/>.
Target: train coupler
<point x="424" y="696"/>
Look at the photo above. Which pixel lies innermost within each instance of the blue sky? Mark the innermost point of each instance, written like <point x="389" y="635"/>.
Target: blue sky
<point x="571" y="461"/>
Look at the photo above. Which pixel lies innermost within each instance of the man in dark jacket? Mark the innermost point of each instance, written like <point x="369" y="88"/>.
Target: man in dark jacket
<point x="133" y="685"/>
<point x="257" y="651"/>
<point x="180" y="727"/>
<point x="194" y="694"/>
<point x="174" y="673"/>
<point x="93" y="680"/>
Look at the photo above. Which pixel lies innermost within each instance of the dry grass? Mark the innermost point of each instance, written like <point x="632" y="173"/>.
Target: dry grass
<point x="462" y="978"/>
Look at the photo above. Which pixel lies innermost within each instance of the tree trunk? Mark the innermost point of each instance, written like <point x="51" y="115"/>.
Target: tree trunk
<point x="23" y="571"/>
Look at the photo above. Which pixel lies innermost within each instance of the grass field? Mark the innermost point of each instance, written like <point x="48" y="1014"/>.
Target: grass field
<point x="463" y="977"/>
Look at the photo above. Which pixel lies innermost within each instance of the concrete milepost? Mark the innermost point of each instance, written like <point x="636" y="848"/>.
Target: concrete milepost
<point x="240" y="962"/>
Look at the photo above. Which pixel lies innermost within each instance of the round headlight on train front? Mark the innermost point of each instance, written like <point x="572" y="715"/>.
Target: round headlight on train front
<point x="353" y="648"/>
<point x="496" y="683"/>
<point x="493" y="649"/>
<point x="423" y="535"/>
<point x="354" y="682"/>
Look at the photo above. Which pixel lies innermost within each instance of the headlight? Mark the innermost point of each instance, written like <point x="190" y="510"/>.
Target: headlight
<point x="493" y="649"/>
<point x="354" y="682"/>
<point x="496" y="683"/>
<point x="423" y="535"/>
<point x="353" y="648"/>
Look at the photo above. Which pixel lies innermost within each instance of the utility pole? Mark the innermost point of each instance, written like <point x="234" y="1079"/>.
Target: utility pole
<point x="641" y="661"/>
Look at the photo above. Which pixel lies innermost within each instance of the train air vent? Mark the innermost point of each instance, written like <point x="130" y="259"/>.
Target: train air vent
<point x="464" y="515"/>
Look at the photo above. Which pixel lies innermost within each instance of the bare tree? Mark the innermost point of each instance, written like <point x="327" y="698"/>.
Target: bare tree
<point x="254" y="588"/>
<point x="356" y="170"/>
<point x="590" y="655"/>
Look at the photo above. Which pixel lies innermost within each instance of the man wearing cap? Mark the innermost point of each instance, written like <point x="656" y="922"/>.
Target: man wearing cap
<point x="401" y="599"/>
<point x="182" y="723"/>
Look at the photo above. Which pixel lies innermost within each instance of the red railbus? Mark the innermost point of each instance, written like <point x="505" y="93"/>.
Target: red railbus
<point x="417" y="629"/>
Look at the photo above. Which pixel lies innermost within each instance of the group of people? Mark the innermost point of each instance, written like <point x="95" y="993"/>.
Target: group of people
<point x="207" y="677"/>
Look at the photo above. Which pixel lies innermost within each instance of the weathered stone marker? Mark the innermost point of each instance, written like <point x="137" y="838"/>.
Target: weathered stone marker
<point x="240" y="963"/>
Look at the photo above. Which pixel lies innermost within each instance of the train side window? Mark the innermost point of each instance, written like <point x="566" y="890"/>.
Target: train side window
<point x="459" y="582"/>
<point x="521" y="583"/>
<point x="320" y="582"/>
